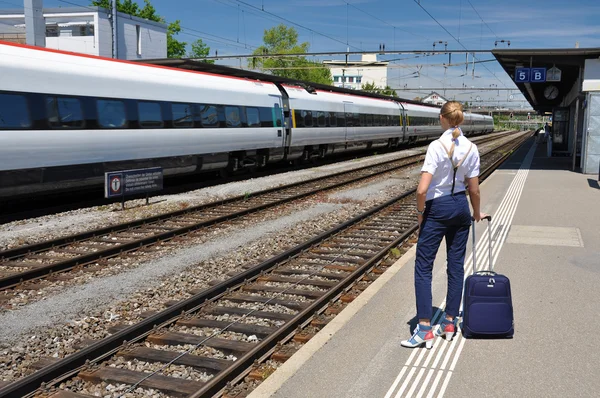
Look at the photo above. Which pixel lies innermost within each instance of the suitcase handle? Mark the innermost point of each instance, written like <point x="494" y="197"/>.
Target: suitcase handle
<point x="490" y="267"/>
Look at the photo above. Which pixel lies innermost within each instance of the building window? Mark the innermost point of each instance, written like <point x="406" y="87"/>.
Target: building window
<point x="138" y="35"/>
<point x="351" y="79"/>
<point x="51" y="31"/>
<point x="359" y="79"/>
<point x="336" y="79"/>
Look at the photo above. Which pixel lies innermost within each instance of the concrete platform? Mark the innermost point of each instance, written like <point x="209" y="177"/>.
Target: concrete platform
<point x="546" y="235"/>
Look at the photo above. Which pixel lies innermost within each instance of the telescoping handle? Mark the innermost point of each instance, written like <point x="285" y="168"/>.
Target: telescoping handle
<point x="489" y="218"/>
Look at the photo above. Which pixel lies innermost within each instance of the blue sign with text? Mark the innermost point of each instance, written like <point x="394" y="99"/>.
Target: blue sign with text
<point x="538" y="75"/>
<point x="530" y="75"/>
<point x="522" y="75"/>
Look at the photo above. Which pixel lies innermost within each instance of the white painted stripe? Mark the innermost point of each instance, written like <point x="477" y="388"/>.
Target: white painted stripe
<point x="405" y="384"/>
<point x="439" y="355"/>
<point x="460" y="347"/>
<point x="395" y="384"/>
<point x="438" y="343"/>
<point x="450" y="351"/>
<point x="435" y="383"/>
<point x="445" y="385"/>
<point x="503" y="216"/>
<point x="425" y="383"/>
<point x="415" y="384"/>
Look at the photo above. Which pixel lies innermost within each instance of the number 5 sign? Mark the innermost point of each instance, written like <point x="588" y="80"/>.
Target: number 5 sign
<point x="522" y="75"/>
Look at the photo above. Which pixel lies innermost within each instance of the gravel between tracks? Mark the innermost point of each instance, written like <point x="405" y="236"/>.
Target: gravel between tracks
<point x="100" y="292"/>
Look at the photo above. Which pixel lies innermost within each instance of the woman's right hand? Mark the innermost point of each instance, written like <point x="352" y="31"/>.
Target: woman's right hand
<point x="480" y="216"/>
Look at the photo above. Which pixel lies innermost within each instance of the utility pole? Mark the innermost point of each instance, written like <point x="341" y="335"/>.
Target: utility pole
<point x="35" y="24"/>
<point x="115" y="37"/>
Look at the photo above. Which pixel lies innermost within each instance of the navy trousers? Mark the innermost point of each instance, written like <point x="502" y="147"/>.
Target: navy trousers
<point x="445" y="217"/>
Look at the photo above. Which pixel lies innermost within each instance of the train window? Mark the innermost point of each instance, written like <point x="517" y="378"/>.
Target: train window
<point x="308" y="118"/>
<point x="64" y="112"/>
<point x="356" y="118"/>
<point x="209" y="115"/>
<point x="321" y="119"/>
<point x="278" y="115"/>
<point x="14" y="113"/>
<point x="253" y="117"/>
<point x="232" y="116"/>
<point x="341" y="119"/>
<point x="111" y="114"/>
<point x="183" y="115"/>
<point x="362" y="119"/>
<point x="298" y="116"/>
<point x="369" y="120"/>
<point x="266" y="116"/>
<point x="150" y="114"/>
<point x="332" y="119"/>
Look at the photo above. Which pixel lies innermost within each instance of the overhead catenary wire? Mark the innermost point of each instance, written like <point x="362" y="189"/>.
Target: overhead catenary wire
<point x="480" y="17"/>
<point x="455" y="39"/>
<point x="294" y="23"/>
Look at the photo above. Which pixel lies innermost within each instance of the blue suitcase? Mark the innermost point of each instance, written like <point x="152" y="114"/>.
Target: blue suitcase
<point x="487" y="301"/>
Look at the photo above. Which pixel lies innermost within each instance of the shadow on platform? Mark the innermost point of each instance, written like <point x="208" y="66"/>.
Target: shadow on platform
<point x="593" y="183"/>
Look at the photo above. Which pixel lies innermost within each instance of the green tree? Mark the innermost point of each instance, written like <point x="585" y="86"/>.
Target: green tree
<point x="284" y="40"/>
<point x="373" y="88"/>
<point x="200" y="50"/>
<point x="175" y="48"/>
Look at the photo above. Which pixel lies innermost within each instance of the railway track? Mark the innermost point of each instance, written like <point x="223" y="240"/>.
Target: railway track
<point x="44" y="260"/>
<point x="243" y="318"/>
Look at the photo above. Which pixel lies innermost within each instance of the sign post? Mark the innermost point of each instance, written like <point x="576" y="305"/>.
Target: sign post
<point x="131" y="182"/>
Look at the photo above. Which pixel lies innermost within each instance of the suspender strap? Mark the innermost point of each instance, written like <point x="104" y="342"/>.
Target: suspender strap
<point x="457" y="165"/>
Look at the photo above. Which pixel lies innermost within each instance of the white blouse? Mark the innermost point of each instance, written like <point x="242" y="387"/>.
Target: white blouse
<point x="439" y="165"/>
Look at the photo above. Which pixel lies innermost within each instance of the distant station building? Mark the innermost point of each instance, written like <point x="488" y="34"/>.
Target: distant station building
<point x="563" y="84"/>
<point x="354" y="74"/>
<point x="434" y="99"/>
<point x="88" y="30"/>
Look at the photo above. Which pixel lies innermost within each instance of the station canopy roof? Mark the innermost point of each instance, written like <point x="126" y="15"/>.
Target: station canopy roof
<point x="569" y="61"/>
<point x="196" y="65"/>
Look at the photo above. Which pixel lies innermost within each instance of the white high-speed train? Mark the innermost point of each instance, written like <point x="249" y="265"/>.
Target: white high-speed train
<point x="66" y="119"/>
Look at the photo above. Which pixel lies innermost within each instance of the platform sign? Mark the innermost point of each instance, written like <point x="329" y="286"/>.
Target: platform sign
<point x="522" y="75"/>
<point x="554" y="74"/>
<point x="538" y="75"/>
<point x="130" y="182"/>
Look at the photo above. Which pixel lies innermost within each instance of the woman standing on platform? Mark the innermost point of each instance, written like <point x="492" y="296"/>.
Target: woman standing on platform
<point x="451" y="166"/>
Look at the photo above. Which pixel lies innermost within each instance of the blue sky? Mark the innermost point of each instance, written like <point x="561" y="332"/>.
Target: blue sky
<point x="236" y="27"/>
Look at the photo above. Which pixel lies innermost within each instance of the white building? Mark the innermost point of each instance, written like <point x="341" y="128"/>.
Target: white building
<point x="354" y="74"/>
<point x="88" y="30"/>
<point x="435" y="99"/>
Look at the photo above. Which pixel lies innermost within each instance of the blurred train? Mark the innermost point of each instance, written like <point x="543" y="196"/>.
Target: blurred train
<point x="66" y="119"/>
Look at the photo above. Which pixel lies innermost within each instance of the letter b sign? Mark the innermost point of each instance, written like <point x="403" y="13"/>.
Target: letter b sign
<point x="538" y="75"/>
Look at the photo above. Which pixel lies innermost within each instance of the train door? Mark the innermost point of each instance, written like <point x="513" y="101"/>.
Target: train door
<point x="349" y="109"/>
<point x="402" y="123"/>
<point x="280" y="119"/>
<point x="286" y="116"/>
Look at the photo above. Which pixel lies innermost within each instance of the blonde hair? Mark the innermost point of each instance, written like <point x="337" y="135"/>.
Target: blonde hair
<point x="452" y="111"/>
